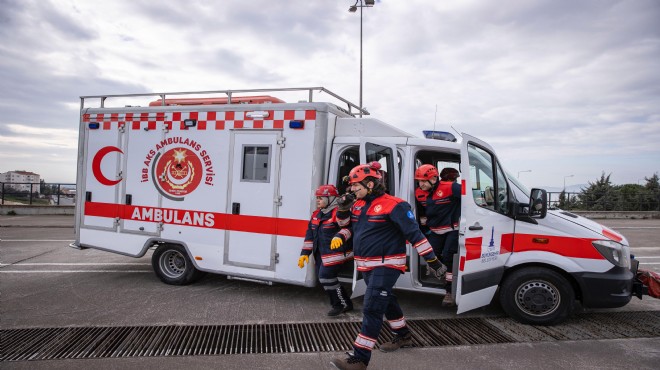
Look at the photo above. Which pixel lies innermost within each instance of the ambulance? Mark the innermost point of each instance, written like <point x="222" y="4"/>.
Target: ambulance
<point x="223" y="182"/>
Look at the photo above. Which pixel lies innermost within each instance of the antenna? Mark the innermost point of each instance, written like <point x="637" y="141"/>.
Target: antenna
<point x="459" y="134"/>
<point x="435" y="117"/>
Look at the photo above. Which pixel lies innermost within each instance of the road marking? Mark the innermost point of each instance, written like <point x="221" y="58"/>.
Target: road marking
<point x="645" y="248"/>
<point x="74" y="264"/>
<point x="37" y="240"/>
<point x="645" y="257"/>
<point x="634" y="227"/>
<point x="66" y="271"/>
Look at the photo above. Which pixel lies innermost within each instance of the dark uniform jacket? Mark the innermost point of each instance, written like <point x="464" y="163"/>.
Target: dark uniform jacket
<point x="441" y="206"/>
<point x="379" y="227"/>
<point x="321" y="229"/>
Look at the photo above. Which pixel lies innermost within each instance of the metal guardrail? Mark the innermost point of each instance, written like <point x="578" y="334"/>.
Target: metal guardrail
<point x="45" y="194"/>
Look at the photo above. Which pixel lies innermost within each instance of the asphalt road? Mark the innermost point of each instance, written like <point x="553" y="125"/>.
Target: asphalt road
<point x="44" y="283"/>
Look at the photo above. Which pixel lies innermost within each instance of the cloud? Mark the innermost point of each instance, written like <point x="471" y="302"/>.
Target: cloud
<point x="549" y="84"/>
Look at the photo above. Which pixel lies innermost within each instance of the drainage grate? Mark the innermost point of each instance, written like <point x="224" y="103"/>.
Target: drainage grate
<point x="177" y="340"/>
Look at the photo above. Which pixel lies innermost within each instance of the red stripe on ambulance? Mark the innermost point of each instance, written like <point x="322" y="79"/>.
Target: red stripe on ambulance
<point x="562" y="245"/>
<point x="212" y="220"/>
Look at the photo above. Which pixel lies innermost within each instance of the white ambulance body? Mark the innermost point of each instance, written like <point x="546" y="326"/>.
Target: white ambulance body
<point x="226" y="185"/>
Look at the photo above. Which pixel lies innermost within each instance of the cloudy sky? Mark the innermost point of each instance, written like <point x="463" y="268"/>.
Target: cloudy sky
<point x="557" y="87"/>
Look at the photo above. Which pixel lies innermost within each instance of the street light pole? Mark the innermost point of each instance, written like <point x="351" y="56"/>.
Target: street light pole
<point x="353" y="9"/>
<point x="523" y="171"/>
<point x="565" y="177"/>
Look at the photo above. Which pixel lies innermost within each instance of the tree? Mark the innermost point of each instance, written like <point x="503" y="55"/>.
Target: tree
<point x="630" y="197"/>
<point x="652" y="195"/>
<point x="599" y="195"/>
<point x="566" y="201"/>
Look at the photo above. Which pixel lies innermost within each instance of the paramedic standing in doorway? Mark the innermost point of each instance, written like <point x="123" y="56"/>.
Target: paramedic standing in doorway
<point x="321" y="229"/>
<point x="440" y="212"/>
<point x="379" y="225"/>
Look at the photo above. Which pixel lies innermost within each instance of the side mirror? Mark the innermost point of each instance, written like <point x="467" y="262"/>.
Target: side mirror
<point x="538" y="203"/>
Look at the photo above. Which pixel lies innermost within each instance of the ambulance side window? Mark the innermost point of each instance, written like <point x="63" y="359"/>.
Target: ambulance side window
<point x="489" y="187"/>
<point x="256" y="163"/>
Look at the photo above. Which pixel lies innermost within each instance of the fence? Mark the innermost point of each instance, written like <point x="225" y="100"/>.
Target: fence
<point x="608" y="202"/>
<point x="43" y="194"/>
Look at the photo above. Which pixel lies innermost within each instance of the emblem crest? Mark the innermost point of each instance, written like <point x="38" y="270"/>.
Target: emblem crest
<point x="177" y="173"/>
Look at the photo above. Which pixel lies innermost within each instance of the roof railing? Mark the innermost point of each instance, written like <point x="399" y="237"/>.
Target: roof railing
<point x="351" y="108"/>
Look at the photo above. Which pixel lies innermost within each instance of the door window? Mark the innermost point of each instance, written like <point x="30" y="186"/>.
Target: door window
<point x="489" y="187"/>
<point x="256" y="164"/>
<point x="384" y="156"/>
<point x="348" y="159"/>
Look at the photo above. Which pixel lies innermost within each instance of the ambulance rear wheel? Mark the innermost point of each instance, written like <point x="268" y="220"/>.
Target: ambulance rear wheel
<point x="173" y="265"/>
<point x="537" y="296"/>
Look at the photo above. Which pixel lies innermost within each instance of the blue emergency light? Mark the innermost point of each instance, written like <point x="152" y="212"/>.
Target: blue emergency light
<point x="297" y="124"/>
<point x="94" y="125"/>
<point x="439" y="135"/>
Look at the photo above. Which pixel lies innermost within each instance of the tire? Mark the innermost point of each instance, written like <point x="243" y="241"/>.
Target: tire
<point x="537" y="296"/>
<point x="173" y="266"/>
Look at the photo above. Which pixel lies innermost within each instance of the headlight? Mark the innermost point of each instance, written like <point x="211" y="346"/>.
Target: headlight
<point x="614" y="252"/>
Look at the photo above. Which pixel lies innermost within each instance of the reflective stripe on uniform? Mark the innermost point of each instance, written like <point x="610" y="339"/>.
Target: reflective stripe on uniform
<point x="336" y="258"/>
<point x="423" y="247"/>
<point x="343" y="221"/>
<point x="365" y="342"/>
<point x="368" y="263"/>
<point x="444" y="229"/>
<point x="398" y="323"/>
<point x="308" y="246"/>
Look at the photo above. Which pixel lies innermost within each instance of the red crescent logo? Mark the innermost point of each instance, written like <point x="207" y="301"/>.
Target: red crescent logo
<point x="96" y="165"/>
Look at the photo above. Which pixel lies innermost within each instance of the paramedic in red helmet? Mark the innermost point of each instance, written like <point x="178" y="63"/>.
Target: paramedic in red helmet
<point x="321" y="229"/>
<point x="379" y="225"/>
<point x="440" y="211"/>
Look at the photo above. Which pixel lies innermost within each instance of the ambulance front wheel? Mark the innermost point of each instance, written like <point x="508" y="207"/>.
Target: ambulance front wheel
<point x="537" y="296"/>
<point x="173" y="265"/>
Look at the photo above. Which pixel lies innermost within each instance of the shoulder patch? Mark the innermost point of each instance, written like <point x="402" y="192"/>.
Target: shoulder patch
<point x="411" y="215"/>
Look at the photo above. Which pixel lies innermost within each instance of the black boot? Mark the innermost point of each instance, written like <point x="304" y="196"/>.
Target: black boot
<point x="337" y="307"/>
<point x="345" y="299"/>
<point x="339" y="301"/>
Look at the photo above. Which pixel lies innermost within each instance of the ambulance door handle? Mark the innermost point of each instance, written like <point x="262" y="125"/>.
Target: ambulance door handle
<point x="129" y="199"/>
<point x="235" y="208"/>
<point x="476" y="227"/>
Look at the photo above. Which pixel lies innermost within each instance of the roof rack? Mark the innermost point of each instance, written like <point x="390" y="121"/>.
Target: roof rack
<point x="351" y="107"/>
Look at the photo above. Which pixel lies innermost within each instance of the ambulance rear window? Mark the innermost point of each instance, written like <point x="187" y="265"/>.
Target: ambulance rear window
<point x="256" y="163"/>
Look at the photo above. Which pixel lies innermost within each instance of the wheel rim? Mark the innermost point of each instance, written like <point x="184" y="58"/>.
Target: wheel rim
<point x="538" y="298"/>
<point x="173" y="264"/>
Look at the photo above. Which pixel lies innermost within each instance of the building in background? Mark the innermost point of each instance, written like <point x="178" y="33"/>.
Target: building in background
<point x="21" y="180"/>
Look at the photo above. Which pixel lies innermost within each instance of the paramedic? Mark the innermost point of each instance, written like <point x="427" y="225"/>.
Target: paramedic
<point x="379" y="225"/>
<point x="440" y="209"/>
<point x="321" y="229"/>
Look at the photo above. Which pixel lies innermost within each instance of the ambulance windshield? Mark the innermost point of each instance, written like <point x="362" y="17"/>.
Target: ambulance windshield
<point x="520" y="191"/>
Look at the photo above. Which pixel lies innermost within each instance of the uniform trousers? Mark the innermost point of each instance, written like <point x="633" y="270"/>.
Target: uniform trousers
<point x="378" y="302"/>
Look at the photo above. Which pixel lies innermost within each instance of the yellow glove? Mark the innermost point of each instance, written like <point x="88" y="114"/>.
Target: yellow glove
<point x="336" y="242"/>
<point x="302" y="261"/>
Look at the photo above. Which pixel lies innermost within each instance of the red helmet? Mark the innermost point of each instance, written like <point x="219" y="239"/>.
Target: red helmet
<point x="426" y="172"/>
<point x="449" y="174"/>
<point x="362" y="171"/>
<point x="326" y="191"/>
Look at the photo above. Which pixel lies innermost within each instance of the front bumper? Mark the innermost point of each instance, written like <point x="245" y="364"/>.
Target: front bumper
<point x="613" y="288"/>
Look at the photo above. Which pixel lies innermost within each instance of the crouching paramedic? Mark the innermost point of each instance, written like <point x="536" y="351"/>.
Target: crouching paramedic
<point x="440" y="200"/>
<point x="321" y="229"/>
<point x="379" y="225"/>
